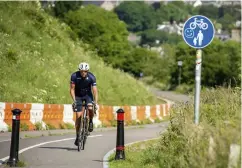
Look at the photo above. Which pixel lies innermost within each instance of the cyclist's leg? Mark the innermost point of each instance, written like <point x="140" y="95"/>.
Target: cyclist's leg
<point x="79" y="113"/>
<point x="90" y="111"/>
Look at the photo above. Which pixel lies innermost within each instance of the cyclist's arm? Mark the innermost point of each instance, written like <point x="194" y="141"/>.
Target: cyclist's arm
<point x="94" y="89"/>
<point x="95" y="93"/>
<point x="72" y="88"/>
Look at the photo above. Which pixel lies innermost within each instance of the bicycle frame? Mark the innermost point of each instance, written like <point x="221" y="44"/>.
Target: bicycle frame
<point x="199" y="23"/>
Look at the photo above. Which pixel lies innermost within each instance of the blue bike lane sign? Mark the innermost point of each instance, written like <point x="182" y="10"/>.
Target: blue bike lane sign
<point x="198" y="31"/>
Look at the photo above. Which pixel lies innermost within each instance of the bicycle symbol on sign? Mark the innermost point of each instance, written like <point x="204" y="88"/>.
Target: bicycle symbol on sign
<point x="198" y="23"/>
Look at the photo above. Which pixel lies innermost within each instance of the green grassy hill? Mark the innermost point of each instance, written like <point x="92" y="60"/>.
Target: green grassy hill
<point x="38" y="56"/>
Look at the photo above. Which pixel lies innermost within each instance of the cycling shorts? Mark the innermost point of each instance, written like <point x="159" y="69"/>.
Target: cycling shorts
<point x="80" y="101"/>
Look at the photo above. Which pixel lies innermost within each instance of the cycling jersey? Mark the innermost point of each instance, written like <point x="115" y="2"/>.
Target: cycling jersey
<point x="83" y="85"/>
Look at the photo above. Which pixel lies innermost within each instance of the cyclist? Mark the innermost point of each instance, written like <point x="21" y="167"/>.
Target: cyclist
<point x="82" y="84"/>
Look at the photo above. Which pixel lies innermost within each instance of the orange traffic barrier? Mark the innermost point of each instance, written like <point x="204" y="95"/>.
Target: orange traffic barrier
<point x="141" y="113"/>
<point x="153" y="112"/>
<point x="24" y="117"/>
<point x="53" y="115"/>
<point x="105" y="114"/>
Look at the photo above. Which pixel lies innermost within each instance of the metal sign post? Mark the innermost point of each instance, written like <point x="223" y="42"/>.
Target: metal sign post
<point x="198" y="84"/>
<point x="198" y="32"/>
<point x="179" y="63"/>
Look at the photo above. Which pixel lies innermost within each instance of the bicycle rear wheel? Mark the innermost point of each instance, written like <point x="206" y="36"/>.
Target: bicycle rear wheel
<point x="81" y="134"/>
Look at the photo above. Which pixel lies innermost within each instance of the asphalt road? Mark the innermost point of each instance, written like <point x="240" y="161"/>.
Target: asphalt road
<point x="64" y="153"/>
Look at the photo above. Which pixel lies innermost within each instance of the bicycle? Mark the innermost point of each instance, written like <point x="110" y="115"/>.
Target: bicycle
<point x="83" y="129"/>
<point x="200" y="24"/>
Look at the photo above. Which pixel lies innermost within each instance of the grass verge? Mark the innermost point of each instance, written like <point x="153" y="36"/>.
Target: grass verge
<point x="133" y="155"/>
<point x="185" y="144"/>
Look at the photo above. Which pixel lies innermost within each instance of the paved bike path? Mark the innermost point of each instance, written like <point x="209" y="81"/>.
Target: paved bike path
<point x="65" y="154"/>
<point x="171" y="95"/>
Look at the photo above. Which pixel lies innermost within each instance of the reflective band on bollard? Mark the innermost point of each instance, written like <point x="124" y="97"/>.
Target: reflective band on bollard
<point x="14" y="149"/>
<point x="120" y="154"/>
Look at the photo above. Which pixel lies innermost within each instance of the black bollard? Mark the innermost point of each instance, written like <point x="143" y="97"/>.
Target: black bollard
<point x="13" y="158"/>
<point x="120" y="154"/>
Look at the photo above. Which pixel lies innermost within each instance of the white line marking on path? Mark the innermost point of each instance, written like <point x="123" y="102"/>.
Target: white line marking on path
<point x="30" y="147"/>
<point x="5" y="140"/>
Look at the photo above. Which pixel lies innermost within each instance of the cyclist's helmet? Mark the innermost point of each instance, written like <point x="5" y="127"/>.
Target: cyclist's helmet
<point x="83" y="66"/>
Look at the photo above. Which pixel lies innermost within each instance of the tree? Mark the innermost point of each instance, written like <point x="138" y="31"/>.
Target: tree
<point x="221" y="63"/>
<point x="137" y="15"/>
<point x="103" y="31"/>
<point x="227" y="21"/>
<point x="142" y="60"/>
<point x="92" y="22"/>
<point x="232" y="50"/>
<point x="150" y="36"/>
<point x="173" y="11"/>
<point x="209" y="11"/>
<point x="221" y="12"/>
<point x="62" y="7"/>
<point x="233" y="10"/>
<point x="156" y="5"/>
<point x="112" y="48"/>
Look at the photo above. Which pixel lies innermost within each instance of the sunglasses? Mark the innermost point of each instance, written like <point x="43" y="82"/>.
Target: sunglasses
<point x="84" y="71"/>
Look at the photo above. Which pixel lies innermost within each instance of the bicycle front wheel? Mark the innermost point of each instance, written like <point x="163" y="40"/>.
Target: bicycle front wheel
<point x="84" y="133"/>
<point x="80" y="137"/>
<point x="81" y="130"/>
<point x="204" y="26"/>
